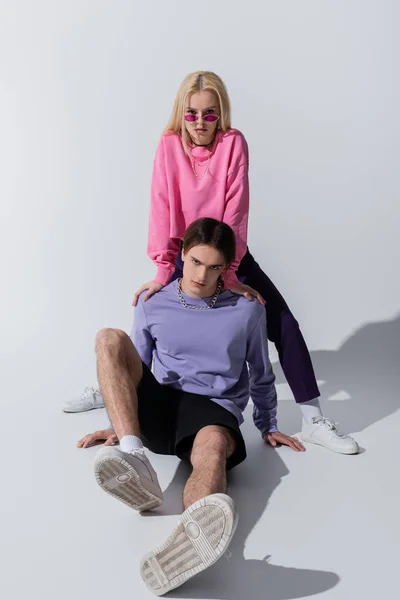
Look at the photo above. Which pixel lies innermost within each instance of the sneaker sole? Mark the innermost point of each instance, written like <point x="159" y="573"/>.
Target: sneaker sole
<point x="71" y="410"/>
<point x="317" y="443"/>
<point x="201" y="537"/>
<point x="121" y="480"/>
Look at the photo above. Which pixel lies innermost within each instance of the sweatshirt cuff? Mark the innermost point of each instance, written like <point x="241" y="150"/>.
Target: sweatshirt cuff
<point x="230" y="280"/>
<point x="271" y="429"/>
<point x="266" y="428"/>
<point x="164" y="275"/>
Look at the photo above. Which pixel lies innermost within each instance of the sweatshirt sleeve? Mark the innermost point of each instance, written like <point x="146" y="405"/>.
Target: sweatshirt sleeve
<point x="162" y="249"/>
<point x="236" y="213"/>
<point x="262" y="379"/>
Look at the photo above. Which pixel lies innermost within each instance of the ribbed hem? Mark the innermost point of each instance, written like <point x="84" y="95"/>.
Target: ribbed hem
<point x="231" y="281"/>
<point x="272" y="429"/>
<point x="163" y="275"/>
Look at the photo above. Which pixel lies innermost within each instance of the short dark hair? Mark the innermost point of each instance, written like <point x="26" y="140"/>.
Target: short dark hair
<point x="210" y="232"/>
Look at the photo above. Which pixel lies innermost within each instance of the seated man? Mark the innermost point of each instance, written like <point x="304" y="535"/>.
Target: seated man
<point x="209" y="348"/>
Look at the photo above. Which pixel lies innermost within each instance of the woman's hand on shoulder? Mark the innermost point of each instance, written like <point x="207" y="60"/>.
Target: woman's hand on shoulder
<point x="247" y="292"/>
<point x="152" y="288"/>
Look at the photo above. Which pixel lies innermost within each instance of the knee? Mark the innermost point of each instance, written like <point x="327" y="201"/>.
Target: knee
<point x="109" y="340"/>
<point x="212" y="441"/>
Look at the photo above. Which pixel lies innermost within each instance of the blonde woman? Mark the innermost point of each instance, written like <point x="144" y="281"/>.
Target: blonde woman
<point x="201" y="170"/>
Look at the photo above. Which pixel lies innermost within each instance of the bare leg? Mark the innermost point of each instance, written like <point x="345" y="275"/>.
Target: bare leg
<point x="120" y="371"/>
<point x="206" y="528"/>
<point x="127" y="476"/>
<point x="212" y="446"/>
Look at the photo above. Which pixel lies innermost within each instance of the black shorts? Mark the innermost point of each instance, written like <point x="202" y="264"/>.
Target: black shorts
<point x="169" y="419"/>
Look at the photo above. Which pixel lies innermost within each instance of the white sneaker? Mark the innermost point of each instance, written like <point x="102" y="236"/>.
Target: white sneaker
<point x="128" y="477"/>
<point x="88" y="400"/>
<point x="324" y="432"/>
<point x="201" y="537"/>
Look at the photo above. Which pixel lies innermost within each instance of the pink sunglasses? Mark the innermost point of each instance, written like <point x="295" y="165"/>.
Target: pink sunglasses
<point x="208" y="118"/>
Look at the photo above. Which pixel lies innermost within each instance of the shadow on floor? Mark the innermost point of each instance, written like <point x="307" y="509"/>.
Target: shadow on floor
<point x="366" y="367"/>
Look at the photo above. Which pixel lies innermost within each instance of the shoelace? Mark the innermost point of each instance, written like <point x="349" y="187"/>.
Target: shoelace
<point x="89" y="391"/>
<point x="328" y="424"/>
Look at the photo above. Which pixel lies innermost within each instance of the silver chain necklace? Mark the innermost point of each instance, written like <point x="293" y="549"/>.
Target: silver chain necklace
<point x="210" y="305"/>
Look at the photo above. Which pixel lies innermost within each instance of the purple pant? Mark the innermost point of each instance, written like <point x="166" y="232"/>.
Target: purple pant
<point x="282" y="329"/>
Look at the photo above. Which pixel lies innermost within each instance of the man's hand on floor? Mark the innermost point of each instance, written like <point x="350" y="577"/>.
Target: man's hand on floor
<point x="107" y="436"/>
<point x="280" y="439"/>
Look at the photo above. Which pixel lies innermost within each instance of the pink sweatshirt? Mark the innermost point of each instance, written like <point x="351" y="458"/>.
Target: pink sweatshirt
<point x="178" y="197"/>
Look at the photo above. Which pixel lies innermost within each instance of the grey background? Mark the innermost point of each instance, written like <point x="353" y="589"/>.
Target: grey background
<point x="86" y="88"/>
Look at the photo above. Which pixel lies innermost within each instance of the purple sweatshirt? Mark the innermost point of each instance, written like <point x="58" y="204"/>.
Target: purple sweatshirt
<point x="221" y="353"/>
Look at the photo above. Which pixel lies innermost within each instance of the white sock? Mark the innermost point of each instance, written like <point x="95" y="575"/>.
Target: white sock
<point x="310" y="410"/>
<point x="130" y="443"/>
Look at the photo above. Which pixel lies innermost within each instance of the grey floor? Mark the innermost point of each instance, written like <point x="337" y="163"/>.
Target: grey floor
<point x="313" y="524"/>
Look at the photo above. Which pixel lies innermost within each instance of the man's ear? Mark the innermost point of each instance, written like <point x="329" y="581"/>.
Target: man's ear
<point x="182" y="256"/>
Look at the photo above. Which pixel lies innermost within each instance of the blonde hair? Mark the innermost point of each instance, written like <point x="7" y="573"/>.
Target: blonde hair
<point x="193" y="83"/>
